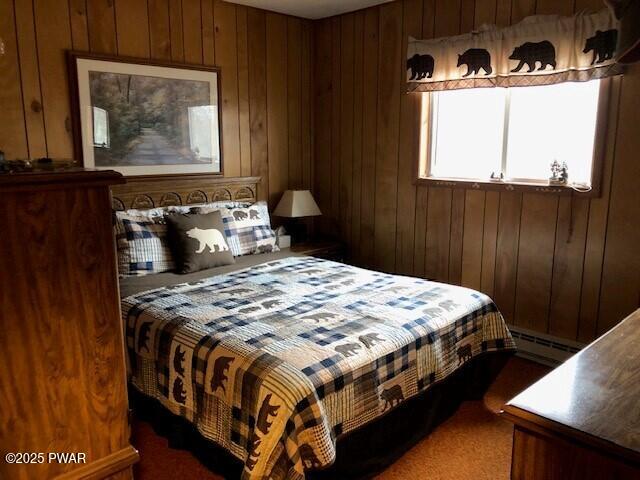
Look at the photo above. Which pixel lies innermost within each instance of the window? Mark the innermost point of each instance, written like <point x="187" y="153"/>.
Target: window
<point x="515" y="133"/>
<point x="101" y="128"/>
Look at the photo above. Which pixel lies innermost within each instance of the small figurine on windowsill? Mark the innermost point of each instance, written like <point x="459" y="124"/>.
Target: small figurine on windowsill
<point x="496" y="177"/>
<point x="559" y="173"/>
<point x="564" y="172"/>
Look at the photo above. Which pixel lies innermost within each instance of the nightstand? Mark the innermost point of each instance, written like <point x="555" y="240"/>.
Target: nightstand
<point x="327" y="249"/>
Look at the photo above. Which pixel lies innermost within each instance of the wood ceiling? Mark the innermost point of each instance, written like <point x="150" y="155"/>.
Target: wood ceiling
<point x="312" y="9"/>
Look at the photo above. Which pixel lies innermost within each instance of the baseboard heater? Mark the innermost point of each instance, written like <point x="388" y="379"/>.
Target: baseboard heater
<point x="543" y="348"/>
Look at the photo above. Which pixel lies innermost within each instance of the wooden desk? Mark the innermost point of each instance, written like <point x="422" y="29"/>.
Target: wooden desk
<point x="582" y="421"/>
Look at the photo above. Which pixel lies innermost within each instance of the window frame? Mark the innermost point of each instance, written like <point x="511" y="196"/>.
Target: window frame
<point x="423" y="174"/>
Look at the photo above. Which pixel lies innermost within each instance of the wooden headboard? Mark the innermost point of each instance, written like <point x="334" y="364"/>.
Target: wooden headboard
<point x="165" y="190"/>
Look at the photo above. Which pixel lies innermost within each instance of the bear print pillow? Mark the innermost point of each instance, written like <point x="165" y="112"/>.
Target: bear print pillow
<point x="252" y="227"/>
<point x="198" y="241"/>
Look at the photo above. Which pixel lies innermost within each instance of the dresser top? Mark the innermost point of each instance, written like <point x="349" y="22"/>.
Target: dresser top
<point x="594" y="397"/>
<point x="58" y="178"/>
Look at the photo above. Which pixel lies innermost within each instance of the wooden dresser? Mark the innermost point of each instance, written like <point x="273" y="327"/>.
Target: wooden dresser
<point x="582" y="421"/>
<point x="62" y="368"/>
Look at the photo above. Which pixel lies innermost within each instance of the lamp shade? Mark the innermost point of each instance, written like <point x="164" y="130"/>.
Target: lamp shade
<point x="297" y="203"/>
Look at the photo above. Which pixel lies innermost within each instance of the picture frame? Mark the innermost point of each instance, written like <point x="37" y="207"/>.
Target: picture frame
<point x="145" y="117"/>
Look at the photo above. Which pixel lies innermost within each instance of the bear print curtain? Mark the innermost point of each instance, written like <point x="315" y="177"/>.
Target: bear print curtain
<point x="540" y="50"/>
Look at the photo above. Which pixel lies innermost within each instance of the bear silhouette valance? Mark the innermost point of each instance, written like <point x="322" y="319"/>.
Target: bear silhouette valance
<point x="540" y="50"/>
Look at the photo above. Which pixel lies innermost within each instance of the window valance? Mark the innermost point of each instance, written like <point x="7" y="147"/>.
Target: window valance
<point x="540" y="50"/>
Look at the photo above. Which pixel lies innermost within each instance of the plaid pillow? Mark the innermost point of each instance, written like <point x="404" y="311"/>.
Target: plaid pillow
<point x="141" y="236"/>
<point x="251" y="227"/>
<point x="142" y="244"/>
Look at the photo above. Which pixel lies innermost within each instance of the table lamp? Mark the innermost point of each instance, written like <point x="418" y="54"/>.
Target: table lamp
<point x="296" y="204"/>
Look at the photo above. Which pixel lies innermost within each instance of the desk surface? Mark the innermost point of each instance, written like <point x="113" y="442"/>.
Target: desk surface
<point x="594" y="397"/>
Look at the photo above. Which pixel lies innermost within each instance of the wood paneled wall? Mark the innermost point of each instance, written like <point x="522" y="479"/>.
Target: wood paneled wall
<point x="323" y="104"/>
<point x="266" y="75"/>
<point x="566" y="266"/>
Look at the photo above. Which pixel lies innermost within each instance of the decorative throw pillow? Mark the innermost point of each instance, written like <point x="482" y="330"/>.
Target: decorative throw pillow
<point x="229" y="225"/>
<point x="142" y="244"/>
<point x="198" y="241"/>
<point x="252" y="226"/>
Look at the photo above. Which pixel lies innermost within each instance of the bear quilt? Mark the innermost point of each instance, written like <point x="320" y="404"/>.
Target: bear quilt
<point x="276" y="361"/>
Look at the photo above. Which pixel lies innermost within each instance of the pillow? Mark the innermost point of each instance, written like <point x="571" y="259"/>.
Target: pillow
<point x="197" y="241"/>
<point x="229" y="225"/>
<point x="161" y="211"/>
<point x="152" y="255"/>
<point x="216" y="205"/>
<point x="142" y="244"/>
<point x="252" y="227"/>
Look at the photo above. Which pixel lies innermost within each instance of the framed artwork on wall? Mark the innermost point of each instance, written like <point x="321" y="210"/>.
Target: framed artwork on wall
<point x="142" y="117"/>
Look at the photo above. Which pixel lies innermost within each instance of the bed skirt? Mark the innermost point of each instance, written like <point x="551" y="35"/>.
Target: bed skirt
<point x="362" y="453"/>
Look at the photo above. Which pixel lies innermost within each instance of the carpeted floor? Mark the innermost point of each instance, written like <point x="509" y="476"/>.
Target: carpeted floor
<point x="473" y="444"/>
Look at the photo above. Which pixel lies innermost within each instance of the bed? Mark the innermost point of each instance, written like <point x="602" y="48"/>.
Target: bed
<point x="286" y="366"/>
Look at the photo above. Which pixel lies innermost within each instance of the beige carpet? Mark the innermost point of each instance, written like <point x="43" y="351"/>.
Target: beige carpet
<point x="474" y="444"/>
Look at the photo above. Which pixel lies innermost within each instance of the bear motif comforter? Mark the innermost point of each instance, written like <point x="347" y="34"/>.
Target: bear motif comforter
<point x="276" y="361"/>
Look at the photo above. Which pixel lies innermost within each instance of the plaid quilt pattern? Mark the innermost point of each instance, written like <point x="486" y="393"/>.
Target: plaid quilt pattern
<point x="274" y="368"/>
<point x="142" y="245"/>
<point x="250" y="227"/>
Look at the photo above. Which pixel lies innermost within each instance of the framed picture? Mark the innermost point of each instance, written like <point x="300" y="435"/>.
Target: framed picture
<point x="141" y="117"/>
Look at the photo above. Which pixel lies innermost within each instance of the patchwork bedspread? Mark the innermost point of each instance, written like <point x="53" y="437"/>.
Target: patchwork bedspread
<point x="276" y="361"/>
